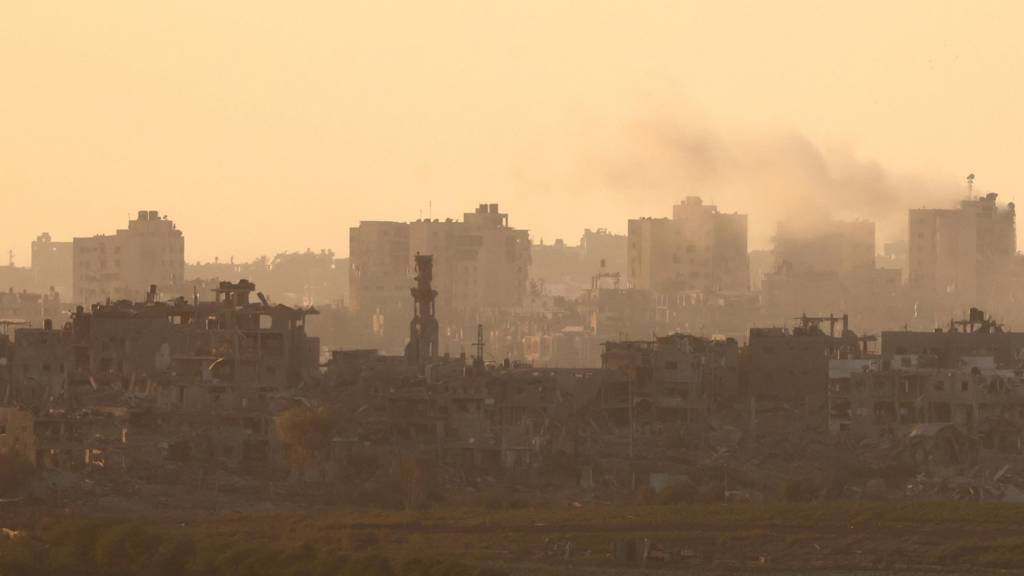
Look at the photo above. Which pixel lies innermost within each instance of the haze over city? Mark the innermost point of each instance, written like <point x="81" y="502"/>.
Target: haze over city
<point x="469" y="288"/>
<point x="304" y="120"/>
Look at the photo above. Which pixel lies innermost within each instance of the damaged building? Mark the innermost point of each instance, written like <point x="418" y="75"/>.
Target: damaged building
<point x="675" y="379"/>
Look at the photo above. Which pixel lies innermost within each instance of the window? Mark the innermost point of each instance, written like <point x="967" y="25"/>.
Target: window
<point x="671" y="365"/>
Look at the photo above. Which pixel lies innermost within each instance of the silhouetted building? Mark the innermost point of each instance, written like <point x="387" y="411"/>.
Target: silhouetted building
<point x="479" y="263"/>
<point x="52" y="263"/>
<point x="604" y="251"/>
<point x="958" y="257"/>
<point x="122" y="266"/>
<point x="564" y="270"/>
<point x="792" y="366"/>
<point x="698" y="249"/>
<point x="230" y="342"/>
<point x="671" y="379"/>
<point x="977" y="336"/>
<point x="480" y="266"/>
<point x="379" y="264"/>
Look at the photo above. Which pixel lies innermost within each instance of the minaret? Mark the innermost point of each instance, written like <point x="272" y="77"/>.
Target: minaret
<point x="423" y="330"/>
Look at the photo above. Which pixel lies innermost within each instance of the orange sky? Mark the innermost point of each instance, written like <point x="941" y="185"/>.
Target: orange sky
<point x="266" y="126"/>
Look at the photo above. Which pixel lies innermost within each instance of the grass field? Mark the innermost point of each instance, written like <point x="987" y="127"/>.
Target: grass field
<point x="829" y="537"/>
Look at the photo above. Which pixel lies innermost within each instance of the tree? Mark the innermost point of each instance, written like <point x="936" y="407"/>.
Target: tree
<point x="305" y="431"/>
<point x="15" y="472"/>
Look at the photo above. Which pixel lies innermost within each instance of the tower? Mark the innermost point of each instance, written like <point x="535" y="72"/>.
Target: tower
<point x="423" y="331"/>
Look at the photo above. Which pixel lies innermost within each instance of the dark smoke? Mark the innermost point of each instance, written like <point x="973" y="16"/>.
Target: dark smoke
<point x="770" y="177"/>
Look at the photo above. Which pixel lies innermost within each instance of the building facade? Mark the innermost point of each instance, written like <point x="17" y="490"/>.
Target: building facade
<point x="123" y="266"/>
<point x="479" y="263"/>
<point x="51" y="264"/>
<point x="957" y="257"/>
<point x="699" y="249"/>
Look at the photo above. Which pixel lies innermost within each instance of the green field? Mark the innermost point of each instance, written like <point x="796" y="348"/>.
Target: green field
<point x="830" y="537"/>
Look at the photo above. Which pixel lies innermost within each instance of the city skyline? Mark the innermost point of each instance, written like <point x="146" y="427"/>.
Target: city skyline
<point x="300" y="121"/>
<point x="500" y="288"/>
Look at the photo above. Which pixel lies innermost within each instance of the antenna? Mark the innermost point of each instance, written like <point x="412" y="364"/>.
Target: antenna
<point x="970" y="186"/>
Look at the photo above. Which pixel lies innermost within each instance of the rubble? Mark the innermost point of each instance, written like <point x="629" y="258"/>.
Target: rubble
<point x="129" y="397"/>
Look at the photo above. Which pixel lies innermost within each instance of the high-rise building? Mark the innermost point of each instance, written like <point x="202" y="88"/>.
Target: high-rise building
<point x="379" y="266"/>
<point x="122" y="266"/>
<point x="51" y="264"/>
<point x="479" y="263"/>
<point x="379" y="263"/>
<point x="957" y="257"/>
<point x="699" y="249"/>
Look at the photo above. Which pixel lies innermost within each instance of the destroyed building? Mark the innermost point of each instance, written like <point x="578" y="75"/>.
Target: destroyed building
<point x="565" y="270"/>
<point x="792" y="366"/>
<point x="976" y="336"/>
<point x="232" y="341"/>
<point x="671" y="379"/>
<point x="308" y="278"/>
<point x="982" y="401"/>
<point x="140" y="386"/>
<point x="29" y="308"/>
<point x="616" y="313"/>
<point x="967" y="376"/>
<point x="122" y="266"/>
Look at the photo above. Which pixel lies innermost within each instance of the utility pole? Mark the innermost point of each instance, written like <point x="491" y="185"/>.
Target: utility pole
<point x="629" y="399"/>
<point x="632" y="472"/>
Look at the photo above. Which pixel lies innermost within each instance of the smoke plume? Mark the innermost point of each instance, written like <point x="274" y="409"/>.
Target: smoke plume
<point x="655" y="163"/>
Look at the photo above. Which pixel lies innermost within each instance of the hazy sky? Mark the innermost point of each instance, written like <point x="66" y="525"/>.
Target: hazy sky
<point x="266" y="126"/>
